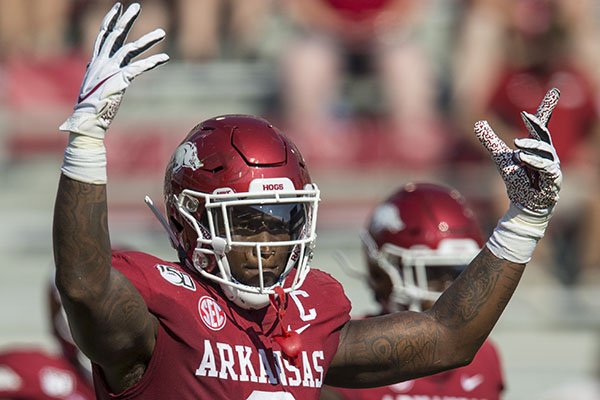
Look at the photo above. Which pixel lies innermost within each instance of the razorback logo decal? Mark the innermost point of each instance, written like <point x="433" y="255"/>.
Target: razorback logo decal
<point x="186" y="156"/>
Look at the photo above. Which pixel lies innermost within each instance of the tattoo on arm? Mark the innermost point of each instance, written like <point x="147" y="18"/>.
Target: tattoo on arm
<point x="81" y="240"/>
<point x="482" y="290"/>
<point x="105" y="311"/>
<point x="406" y="345"/>
<point x="384" y="350"/>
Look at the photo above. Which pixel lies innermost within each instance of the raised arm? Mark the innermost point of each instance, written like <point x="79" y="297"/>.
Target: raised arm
<point x="108" y="317"/>
<point x="406" y="345"/>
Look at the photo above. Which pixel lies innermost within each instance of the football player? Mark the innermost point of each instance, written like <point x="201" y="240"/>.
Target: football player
<point x="240" y="314"/>
<point x="34" y="374"/>
<point x="417" y="242"/>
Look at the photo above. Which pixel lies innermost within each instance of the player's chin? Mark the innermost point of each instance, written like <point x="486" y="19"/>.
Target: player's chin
<point x="252" y="277"/>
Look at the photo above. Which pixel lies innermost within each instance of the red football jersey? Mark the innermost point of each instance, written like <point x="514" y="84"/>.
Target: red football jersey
<point x="34" y="375"/>
<point x="480" y="380"/>
<point x="208" y="348"/>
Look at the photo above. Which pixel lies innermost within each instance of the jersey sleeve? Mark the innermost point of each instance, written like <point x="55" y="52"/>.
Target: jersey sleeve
<point x="331" y="299"/>
<point x="134" y="265"/>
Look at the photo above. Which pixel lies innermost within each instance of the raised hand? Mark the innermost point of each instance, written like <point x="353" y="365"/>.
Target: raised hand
<point x="110" y="71"/>
<point x="532" y="177"/>
<point x="531" y="173"/>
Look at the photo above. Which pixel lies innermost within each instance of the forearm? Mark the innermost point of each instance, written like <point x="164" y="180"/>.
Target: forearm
<point x="80" y="238"/>
<point x="108" y="317"/>
<point x="105" y="310"/>
<point x="383" y="350"/>
<point x="471" y="306"/>
<point x="407" y="345"/>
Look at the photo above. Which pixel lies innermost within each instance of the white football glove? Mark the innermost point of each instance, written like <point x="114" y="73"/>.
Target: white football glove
<point x="110" y="72"/>
<point x="532" y="177"/>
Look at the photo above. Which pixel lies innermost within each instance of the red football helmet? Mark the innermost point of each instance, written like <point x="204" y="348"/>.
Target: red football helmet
<point x="232" y="175"/>
<point x="419" y="234"/>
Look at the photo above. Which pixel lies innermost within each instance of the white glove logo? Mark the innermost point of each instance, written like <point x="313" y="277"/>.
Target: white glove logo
<point x="532" y="173"/>
<point x="110" y="72"/>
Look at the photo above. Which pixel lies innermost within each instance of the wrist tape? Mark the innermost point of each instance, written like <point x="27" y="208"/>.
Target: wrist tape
<point x="85" y="159"/>
<point x="516" y="235"/>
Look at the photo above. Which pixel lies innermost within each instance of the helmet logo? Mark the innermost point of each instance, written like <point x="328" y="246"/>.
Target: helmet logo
<point x="211" y="313"/>
<point x="387" y="217"/>
<point x="223" y="191"/>
<point x="186" y="156"/>
<point x="270" y="184"/>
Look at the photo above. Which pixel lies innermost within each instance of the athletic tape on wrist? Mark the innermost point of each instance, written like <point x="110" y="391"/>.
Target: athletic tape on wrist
<point x="85" y="159"/>
<point x="516" y="235"/>
<point x="85" y="123"/>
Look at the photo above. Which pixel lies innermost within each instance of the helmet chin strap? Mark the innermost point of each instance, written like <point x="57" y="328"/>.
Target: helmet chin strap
<point x="289" y="340"/>
<point x="246" y="300"/>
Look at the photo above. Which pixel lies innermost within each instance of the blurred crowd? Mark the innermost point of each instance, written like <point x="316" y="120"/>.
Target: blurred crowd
<point x="364" y="83"/>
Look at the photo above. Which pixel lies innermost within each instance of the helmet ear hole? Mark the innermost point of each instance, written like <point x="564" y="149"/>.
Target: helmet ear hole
<point x="191" y="204"/>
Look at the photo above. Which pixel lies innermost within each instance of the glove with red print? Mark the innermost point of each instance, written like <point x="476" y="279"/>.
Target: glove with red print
<point x="532" y="177"/>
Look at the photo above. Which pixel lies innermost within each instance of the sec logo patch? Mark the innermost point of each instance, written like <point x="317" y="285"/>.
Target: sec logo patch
<point x="211" y="313"/>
